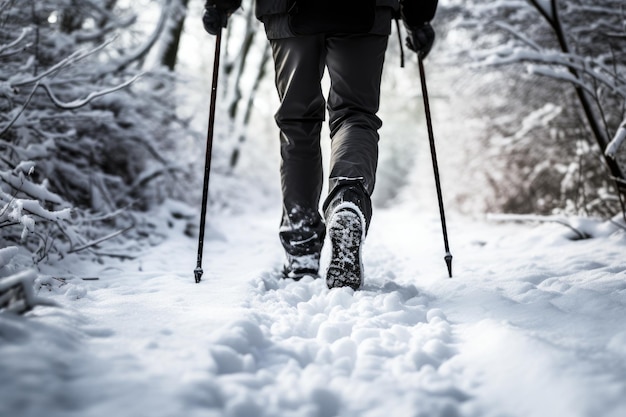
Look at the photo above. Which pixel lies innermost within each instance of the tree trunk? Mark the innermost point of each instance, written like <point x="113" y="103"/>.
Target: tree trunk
<point x="170" y="54"/>
<point x="599" y="133"/>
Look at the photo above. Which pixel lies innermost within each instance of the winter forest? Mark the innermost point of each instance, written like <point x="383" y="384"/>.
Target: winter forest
<point x="104" y="109"/>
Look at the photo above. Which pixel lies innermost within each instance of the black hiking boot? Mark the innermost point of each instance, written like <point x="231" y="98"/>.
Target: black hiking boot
<point x="297" y="267"/>
<point x="302" y="233"/>
<point x="346" y="232"/>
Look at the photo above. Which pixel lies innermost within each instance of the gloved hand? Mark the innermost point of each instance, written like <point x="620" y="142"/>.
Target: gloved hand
<point x="216" y="14"/>
<point x="213" y="20"/>
<point x="421" y="39"/>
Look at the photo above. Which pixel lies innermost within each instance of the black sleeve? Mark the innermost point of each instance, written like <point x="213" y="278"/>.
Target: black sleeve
<point x="417" y="12"/>
<point x="224" y="5"/>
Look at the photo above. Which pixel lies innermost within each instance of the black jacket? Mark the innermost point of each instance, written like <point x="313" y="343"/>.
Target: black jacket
<point x="414" y="13"/>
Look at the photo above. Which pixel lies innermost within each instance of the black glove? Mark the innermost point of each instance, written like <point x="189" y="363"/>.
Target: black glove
<point x="216" y="14"/>
<point x="214" y="20"/>
<point x="421" y="39"/>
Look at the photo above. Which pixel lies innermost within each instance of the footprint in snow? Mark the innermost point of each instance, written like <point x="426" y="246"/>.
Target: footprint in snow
<point x="307" y="350"/>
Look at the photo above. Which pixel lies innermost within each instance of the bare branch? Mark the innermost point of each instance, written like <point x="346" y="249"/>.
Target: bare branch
<point x="102" y="239"/>
<point x="537" y="218"/>
<point x="6" y="128"/>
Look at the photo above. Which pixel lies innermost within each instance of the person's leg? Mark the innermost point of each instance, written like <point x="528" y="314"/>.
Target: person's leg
<point x="299" y="64"/>
<point x="355" y="66"/>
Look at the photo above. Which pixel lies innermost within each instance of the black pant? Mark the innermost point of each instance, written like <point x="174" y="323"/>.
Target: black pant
<point x="354" y="64"/>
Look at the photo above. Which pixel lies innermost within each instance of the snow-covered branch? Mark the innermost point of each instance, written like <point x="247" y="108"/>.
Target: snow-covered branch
<point x="566" y="76"/>
<point x="73" y="58"/>
<point x="17" y="294"/>
<point x="18" y="182"/>
<point x="599" y="72"/>
<point x="4" y="49"/>
<point x="142" y="51"/>
<point x="618" y="141"/>
<point x="113" y="23"/>
<point x="519" y="35"/>
<point x="83" y="102"/>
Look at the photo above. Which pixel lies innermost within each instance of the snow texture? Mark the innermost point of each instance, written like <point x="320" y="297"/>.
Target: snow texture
<point x="531" y="325"/>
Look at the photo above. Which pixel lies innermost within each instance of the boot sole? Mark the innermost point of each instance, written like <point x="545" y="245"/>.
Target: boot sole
<point x="346" y="238"/>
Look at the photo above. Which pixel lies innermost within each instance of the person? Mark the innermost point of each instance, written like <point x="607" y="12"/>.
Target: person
<point x="349" y="39"/>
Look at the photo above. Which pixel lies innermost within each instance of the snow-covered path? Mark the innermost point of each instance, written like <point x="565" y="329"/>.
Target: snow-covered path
<point x="531" y="325"/>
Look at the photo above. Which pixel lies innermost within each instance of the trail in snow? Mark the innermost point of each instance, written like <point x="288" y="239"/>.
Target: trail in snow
<point x="537" y="317"/>
<point x="531" y="325"/>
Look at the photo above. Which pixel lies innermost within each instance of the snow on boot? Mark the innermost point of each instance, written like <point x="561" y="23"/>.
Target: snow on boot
<point x="346" y="232"/>
<point x="296" y="267"/>
<point x="302" y="232"/>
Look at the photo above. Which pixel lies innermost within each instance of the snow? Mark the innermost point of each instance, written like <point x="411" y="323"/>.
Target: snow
<point x="6" y="254"/>
<point x="530" y="325"/>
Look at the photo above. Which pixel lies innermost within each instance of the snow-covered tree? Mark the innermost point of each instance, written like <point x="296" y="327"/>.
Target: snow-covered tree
<point x="548" y="127"/>
<point x="84" y="129"/>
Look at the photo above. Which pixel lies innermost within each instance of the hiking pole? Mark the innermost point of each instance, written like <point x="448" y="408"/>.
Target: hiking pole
<point x="207" y="163"/>
<point x="433" y="153"/>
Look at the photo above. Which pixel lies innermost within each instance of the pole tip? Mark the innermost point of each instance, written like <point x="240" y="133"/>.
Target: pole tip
<point x="448" y="259"/>
<point x="198" y="274"/>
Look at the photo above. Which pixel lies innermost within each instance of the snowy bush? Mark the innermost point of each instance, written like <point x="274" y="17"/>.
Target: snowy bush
<point x="87" y="136"/>
<point x="542" y="132"/>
